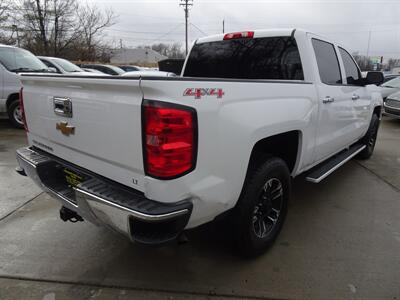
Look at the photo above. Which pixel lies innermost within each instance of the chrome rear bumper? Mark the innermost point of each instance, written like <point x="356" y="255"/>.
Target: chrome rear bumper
<point x="103" y="202"/>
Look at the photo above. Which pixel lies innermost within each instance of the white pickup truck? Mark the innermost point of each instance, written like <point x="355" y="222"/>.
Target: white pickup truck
<point x="152" y="157"/>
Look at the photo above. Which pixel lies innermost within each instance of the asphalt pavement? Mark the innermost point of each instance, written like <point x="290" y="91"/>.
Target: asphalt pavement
<point x="341" y="240"/>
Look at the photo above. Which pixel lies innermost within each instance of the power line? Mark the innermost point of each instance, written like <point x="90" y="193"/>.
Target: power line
<point x="201" y="31"/>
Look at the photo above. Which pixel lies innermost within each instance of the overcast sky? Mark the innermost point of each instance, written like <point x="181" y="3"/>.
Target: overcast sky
<point x="346" y="21"/>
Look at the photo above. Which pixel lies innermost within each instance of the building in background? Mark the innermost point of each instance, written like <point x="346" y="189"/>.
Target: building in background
<point x="396" y="70"/>
<point x="137" y="56"/>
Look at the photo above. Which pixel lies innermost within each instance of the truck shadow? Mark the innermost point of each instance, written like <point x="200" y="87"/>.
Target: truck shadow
<point x="209" y="256"/>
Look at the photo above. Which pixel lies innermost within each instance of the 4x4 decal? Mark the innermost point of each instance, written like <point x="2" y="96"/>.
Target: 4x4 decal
<point x="197" y="93"/>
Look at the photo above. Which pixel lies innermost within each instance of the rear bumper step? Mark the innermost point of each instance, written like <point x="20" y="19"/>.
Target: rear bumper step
<point x="103" y="202"/>
<point x="326" y="168"/>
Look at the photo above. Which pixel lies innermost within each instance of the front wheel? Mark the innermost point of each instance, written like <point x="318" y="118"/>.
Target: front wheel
<point x="261" y="210"/>
<point x="369" y="140"/>
<point x="15" y="114"/>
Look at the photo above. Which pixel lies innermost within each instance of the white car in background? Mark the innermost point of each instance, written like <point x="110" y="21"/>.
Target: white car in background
<point x="149" y="74"/>
<point x="390" y="87"/>
<point x="14" y="61"/>
<point x="93" y="71"/>
<point x="392" y="105"/>
<point x="63" y="66"/>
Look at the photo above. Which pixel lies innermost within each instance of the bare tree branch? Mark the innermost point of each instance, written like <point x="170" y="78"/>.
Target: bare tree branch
<point x="92" y="22"/>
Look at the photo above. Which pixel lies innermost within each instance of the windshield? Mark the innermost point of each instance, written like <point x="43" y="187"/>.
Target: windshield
<point x="20" y="60"/>
<point x="67" y="65"/>
<point x="392" y="83"/>
<point x="117" y="70"/>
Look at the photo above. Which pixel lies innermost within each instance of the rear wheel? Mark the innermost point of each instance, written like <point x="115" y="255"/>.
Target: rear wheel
<point x="369" y="140"/>
<point x="261" y="210"/>
<point x="15" y="114"/>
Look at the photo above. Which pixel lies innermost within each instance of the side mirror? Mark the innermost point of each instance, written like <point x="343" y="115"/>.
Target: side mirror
<point x="376" y="78"/>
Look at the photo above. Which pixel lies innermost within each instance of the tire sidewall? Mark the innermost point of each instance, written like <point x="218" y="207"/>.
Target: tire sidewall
<point x="13" y="106"/>
<point x="372" y="131"/>
<point x="250" y="244"/>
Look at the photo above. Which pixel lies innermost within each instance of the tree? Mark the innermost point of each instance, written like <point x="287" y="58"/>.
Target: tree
<point x="169" y="50"/>
<point x="363" y="62"/>
<point x="6" y="28"/>
<point x="92" y="22"/>
<point x="62" y="28"/>
<point x="48" y="27"/>
<point x="393" y="62"/>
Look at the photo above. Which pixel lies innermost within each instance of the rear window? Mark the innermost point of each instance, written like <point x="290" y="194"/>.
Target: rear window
<point x="259" y="58"/>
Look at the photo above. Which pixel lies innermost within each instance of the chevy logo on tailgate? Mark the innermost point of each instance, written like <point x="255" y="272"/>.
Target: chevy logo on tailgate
<point x="65" y="128"/>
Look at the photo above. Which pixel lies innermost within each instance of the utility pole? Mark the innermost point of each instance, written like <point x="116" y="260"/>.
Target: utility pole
<point x="223" y="26"/>
<point x="369" y="42"/>
<point x="186" y="4"/>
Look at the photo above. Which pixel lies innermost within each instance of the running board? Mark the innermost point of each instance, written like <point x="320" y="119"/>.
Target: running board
<point x="327" y="167"/>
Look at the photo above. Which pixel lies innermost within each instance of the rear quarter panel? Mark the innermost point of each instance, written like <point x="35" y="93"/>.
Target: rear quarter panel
<point x="228" y="129"/>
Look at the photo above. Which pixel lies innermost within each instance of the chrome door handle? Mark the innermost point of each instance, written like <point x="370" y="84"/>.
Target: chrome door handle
<point x="355" y="97"/>
<point x="62" y="106"/>
<point x="328" y="99"/>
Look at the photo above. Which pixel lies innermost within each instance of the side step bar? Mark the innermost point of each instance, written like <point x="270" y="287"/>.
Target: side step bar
<point x="327" y="167"/>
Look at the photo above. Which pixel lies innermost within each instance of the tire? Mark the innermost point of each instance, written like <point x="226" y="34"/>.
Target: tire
<point x="257" y="218"/>
<point x="14" y="114"/>
<point x="369" y="140"/>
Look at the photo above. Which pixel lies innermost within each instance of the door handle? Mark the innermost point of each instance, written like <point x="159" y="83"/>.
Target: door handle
<point x="62" y="106"/>
<point x="355" y="97"/>
<point x="328" y="99"/>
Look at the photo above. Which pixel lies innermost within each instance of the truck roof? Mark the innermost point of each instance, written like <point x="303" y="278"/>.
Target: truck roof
<point x="257" y="34"/>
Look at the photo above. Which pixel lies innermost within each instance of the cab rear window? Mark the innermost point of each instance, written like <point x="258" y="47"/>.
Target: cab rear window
<point x="258" y="58"/>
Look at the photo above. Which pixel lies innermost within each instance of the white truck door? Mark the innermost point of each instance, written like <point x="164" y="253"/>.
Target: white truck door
<point x="357" y="92"/>
<point x="336" y="113"/>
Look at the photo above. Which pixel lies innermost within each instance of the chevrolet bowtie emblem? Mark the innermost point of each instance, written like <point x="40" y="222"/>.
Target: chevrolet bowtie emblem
<point x="65" y="128"/>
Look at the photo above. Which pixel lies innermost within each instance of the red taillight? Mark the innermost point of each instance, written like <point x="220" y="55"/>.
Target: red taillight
<point x="239" y="35"/>
<point x="21" y="104"/>
<point x="169" y="139"/>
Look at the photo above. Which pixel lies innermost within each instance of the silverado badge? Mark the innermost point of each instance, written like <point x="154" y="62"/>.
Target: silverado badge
<point x="65" y="128"/>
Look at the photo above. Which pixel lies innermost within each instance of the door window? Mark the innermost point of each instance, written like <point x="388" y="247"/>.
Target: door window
<point x="353" y="75"/>
<point x="327" y="61"/>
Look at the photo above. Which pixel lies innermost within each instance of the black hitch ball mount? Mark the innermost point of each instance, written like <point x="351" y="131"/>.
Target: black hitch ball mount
<point x="69" y="215"/>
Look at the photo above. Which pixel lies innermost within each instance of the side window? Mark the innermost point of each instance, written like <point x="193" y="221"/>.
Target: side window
<point x="327" y="61"/>
<point x="352" y="72"/>
<point x="47" y="63"/>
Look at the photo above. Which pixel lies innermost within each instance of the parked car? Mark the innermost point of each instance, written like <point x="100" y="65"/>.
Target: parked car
<point x="107" y="69"/>
<point x="392" y="105"/>
<point x="129" y="68"/>
<point x="149" y="74"/>
<point x="93" y="71"/>
<point x="152" y="157"/>
<point x="62" y="66"/>
<point x="13" y="61"/>
<point x="390" y="87"/>
<point x="390" y="77"/>
<point x="173" y="65"/>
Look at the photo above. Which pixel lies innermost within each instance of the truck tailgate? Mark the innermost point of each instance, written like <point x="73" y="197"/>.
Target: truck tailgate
<point x="101" y="134"/>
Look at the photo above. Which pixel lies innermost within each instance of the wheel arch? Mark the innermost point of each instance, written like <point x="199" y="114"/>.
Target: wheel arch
<point x="378" y="111"/>
<point x="285" y="145"/>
